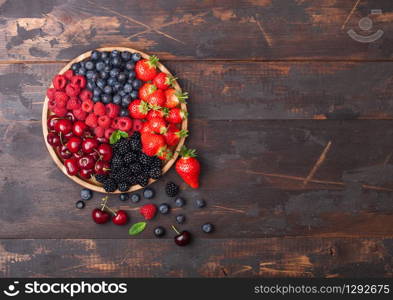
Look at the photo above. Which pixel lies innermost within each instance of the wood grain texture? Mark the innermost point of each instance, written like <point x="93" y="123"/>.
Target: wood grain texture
<point x="289" y="257"/>
<point x="247" y="29"/>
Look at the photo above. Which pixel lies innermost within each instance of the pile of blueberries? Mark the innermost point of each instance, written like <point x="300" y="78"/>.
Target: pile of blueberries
<point x="111" y="77"/>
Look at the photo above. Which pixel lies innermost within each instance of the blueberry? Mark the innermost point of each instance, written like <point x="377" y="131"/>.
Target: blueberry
<point x="148" y="193"/>
<point x="164" y="208"/>
<point x="126" y="100"/>
<point x="86" y="194"/>
<point x="127" y="88"/>
<point x="200" y="203"/>
<point x="106" y="99"/>
<point x="108" y="90"/>
<point x="114" y="53"/>
<point x="100" y="66"/>
<point x="180" y="219"/>
<point x="116" y="61"/>
<point x="136" y="84"/>
<point x="116" y="99"/>
<point x="107" y="62"/>
<point x="82" y="64"/>
<point x="131" y="75"/>
<point x="135" y="198"/>
<point x="179" y="202"/>
<point x="111" y="81"/>
<point x="114" y="72"/>
<point x="101" y="83"/>
<point x="104" y="55"/>
<point x="75" y="67"/>
<point x="136" y="56"/>
<point x="95" y="55"/>
<point x="104" y="75"/>
<point x="121" y="77"/>
<point x="125" y="55"/>
<point x="91" y="85"/>
<point x="117" y="87"/>
<point x="130" y="66"/>
<point x="107" y="69"/>
<point x="122" y="93"/>
<point x="159" y="231"/>
<point x="96" y="99"/>
<point x="80" y="204"/>
<point x="97" y="92"/>
<point x="91" y="75"/>
<point x="81" y="71"/>
<point x="123" y="112"/>
<point x="207" y="228"/>
<point x="89" y="65"/>
<point x="123" y="197"/>
<point x="134" y="95"/>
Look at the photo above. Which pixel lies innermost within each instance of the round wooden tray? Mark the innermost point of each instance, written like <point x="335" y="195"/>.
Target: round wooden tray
<point x="92" y="184"/>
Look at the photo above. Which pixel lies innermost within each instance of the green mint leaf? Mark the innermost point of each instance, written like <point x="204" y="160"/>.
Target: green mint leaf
<point x="123" y="134"/>
<point x="137" y="228"/>
<point x="116" y="136"/>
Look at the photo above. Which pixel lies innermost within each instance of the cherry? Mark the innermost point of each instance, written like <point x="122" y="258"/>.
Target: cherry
<point x="53" y="139"/>
<point x="71" y="165"/>
<point x="106" y="151"/>
<point x="182" y="238"/>
<point x="103" y="140"/>
<point x="64" y="126"/>
<point x="68" y="136"/>
<point x="52" y="120"/>
<point x="70" y="116"/>
<point x="99" y="216"/>
<point x="79" y="128"/>
<point x="102" y="167"/>
<point x="95" y="155"/>
<point x="120" y="218"/>
<point x="89" y="145"/>
<point x="78" y="155"/>
<point x="86" y="162"/>
<point x="74" y="144"/>
<point x="64" y="152"/>
<point x="86" y="173"/>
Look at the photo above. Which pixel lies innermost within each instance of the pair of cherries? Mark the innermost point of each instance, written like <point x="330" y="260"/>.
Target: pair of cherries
<point x="102" y="216"/>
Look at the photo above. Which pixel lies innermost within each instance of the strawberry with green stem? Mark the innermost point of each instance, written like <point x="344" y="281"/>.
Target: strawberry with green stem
<point x="174" y="98"/>
<point x="146" y="69"/>
<point x="188" y="167"/>
<point x="163" y="81"/>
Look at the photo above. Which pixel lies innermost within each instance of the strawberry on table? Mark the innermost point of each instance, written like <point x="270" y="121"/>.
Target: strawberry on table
<point x="146" y="69"/>
<point x="163" y="81"/>
<point x="176" y="115"/>
<point x="138" y="109"/>
<point x="188" y="167"/>
<point x="173" y="98"/>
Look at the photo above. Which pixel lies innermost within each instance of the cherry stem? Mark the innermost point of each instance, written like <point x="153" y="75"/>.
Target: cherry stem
<point x="104" y="206"/>
<point x="174" y="228"/>
<point x="61" y="139"/>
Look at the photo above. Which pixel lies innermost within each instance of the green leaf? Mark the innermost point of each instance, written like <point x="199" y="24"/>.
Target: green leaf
<point x="137" y="228"/>
<point x="116" y="136"/>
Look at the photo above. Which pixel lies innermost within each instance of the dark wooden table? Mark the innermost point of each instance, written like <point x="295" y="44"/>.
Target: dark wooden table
<point x="292" y="119"/>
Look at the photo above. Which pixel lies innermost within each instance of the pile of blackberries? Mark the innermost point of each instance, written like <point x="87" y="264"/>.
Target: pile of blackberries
<point x="130" y="166"/>
<point x="111" y="77"/>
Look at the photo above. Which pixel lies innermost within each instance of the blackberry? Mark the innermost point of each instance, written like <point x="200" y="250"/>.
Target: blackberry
<point x="117" y="162"/>
<point x="110" y="185"/>
<point x="171" y="189"/>
<point x="143" y="180"/>
<point x="155" y="162"/>
<point x="101" y="178"/>
<point x="130" y="157"/>
<point x="133" y="180"/>
<point x="122" y="175"/>
<point x="145" y="159"/>
<point x="135" y="168"/>
<point x="135" y="144"/>
<point x="155" y="173"/>
<point x="123" y="186"/>
<point x="136" y="135"/>
<point x="124" y="146"/>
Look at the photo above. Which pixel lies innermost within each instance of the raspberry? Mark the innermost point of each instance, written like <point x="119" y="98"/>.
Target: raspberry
<point x="79" y="114"/>
<point x="79" y="80"/>
<point x="124" y="123"/>
<point x="99" y="131"/>
<point x="72" y="90"/>
<point x="73" y="103"/>
<point x="59" y="111"/>
<point x="61" y="99"/>
<point x="104" y="121"/>
<point x="108" y="132"/>
<point x="91" y="120"/>
<point x="99" y="109"/>
<point x="68" y="74"/>
<point x="87" y="105"/>
<point x="85" y="94"/>
<point x="59" y="82"/>
<point x="137" y="124"/>
<point x="115" y="123"/>
<point x="112" y="110"/>
<point x="148" y="211"/>
<point x="50" y="93"/>
<point x="51" y="104"/>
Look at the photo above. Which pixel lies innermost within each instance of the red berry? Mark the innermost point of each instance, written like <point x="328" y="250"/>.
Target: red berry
<point x="146" y="69"/>
<point x="108" y="132"/>
<point x="157" y="125"/>
<point x="102" y="167"/>
<point x="72" y="90"/>
<point x="64" y="126"/>
<point x="61" y="99"/>
<point x="163" y="80"/>
<point x="104" y="122"/>
<point x="79" y="128"/>
<point x="80" y="114"/>
<point x="106" y="151"/>
<point x="50" y="93"/>
<point x="86" y="162"/>
<point x="68" y="74"/>
<point x="91" y="120"/>
<point x="99" y="109"/>
<point x="99" y="132"/>
<point x="71" y="165"/>
<point x="63" y="152"/>
<point x="89" y="145"/>
<point x="52" y="121"/>
<point x="138" y="109"/>
<point x="73" y="103"/>
<point x="59" y="82"/>
<point x="121" y="218"/>
<point x="74" y="144"/>
<point x="86" y="173"/>
<point x="79" y="80"/>
<point x="156" y="99"/>
<point x="87" y="105"/>
<point x="157" y="113"/>
<point x="176" y="115"/>
<point x="146" y="90"/>
<point x="112" y="110"/>
<point x="85" y="94"/>
<point x="137" y="125"/>
<point x="115" y="123"/>
<point x="70" y="116"/>
<point x="124" y="123"/>
<point x="53" y="139"/>
<point x="99" y="216"/>
<point x="148" y="211"/>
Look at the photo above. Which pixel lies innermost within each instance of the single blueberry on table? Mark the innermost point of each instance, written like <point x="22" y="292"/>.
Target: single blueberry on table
<point x="86" y="194"/>
<point x="80" y="204"/>
<point x="180" y="219"/>
<point x="180" y="202"/>
<point x="123" y="197"/>
<point x="164" y="208"/>
<point x="200" y="203"/>
<point x="207" y="228"/>
<point x="135" y="198"/>
<point x="159" y="231"/>
<point x="148" y="193"/>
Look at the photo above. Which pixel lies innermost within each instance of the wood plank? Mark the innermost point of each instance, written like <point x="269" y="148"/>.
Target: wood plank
<point x="241" y="30"/>
<point x="239" y="90"/>
<point x="253" y="180"/>
<point x="274" y="257"/>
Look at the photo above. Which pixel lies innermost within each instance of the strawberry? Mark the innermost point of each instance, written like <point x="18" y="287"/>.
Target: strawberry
<point x="188" y="167"/>
<point x="156" y="99"/>
<point x="164" y="153"/>
<point x="148" y="211"/>
<point x="138" y="109"/>
<point x="173" y="98"/>
<point x="146" y="69"/>
<point x="146" y="128"/>
<point x="157" y="125"/>
<point x="176" y="115"/>
<point x="173" y="135"/>
<point x="152" y="143"/>
<point x="59" y="82"/>
<point x="157" y="113"/>
<point x="163" y="81"/>
<point x="146" y="90"/>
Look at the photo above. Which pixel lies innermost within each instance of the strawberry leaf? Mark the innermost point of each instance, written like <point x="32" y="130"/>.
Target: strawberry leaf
<point x="116" y="136"/>
<point x="137" y="228"/>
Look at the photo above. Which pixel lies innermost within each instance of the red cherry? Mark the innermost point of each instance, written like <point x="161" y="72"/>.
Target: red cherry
<point x="67" y="137"/>
<point x="71" y="165"/>
<point x="89" y="145"/>
<point x="106" y="152"/>
<point x="86" y="162"/>
<point x="74" y="144"/>
<point x="64" y="126"/>
<point x="70" y="116"/>
<point x="63" y="152"/>
<point x="102" y="167"/>
<point x="53" y="139"/>
<point x="120" y="218"/>
<point x="86" y="173"/>
<point x="95" y="155"/>
<point x="52" y="120"/>
<point x="78" y="155"/>
<point x="99" y="216"/>
<point x="79" y="128"/>
<point x="103" y="140"/>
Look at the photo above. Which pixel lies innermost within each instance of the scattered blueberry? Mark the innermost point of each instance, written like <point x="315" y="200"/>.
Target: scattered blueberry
<point x="180" y="219"/>
<point x="180" y="202"/>
<point x="159" y="231"/>
<point x="164" y="208"/>
<point x="80" y="204"/>
<point x="123" y="197"/>
<point x="135" y="198"/>
<point x="86" y="194"/>
<point x="148" y="193"/>
<point x="200" y="203"/>
<point x="207" y="228"/>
